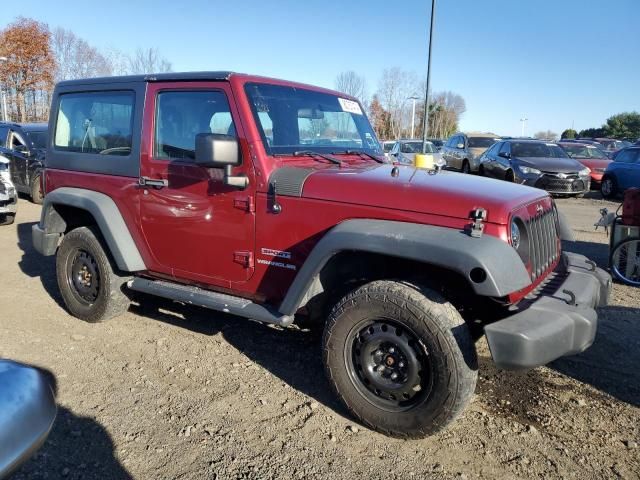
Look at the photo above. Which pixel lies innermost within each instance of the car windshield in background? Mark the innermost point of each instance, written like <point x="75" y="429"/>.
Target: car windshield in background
<point x="387" y="146"/>
<point x="481" y="142"/>
<point x="582" y="151"/>
<point x="416" y="147"/>
<point x="38" y="138"/>
<point x="293" y="119"/>
<point x="539" y="150"/>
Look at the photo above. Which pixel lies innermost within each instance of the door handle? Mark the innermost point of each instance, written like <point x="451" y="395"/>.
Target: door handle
<point x="153" y="182"/>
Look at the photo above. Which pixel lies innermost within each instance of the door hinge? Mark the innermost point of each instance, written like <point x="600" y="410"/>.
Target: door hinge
<point x="245" y="204"/>
<point x="244" y="258"/>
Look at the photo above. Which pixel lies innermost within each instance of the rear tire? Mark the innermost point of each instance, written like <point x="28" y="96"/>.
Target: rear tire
<point x="387" y="328"/>
<point x="7" y="218"/>
<point x="90" y="285"/>
<point x="37" y="195"/>
<point x="608" y="188"/>
<point x="466" y="168"/>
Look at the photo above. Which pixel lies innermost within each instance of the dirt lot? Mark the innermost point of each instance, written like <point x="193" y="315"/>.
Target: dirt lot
<point x="171" y="392"/>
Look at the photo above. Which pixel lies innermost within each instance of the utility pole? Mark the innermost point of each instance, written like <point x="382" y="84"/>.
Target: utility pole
<point x="427" y="88"/>
<point x="413" y="116"/>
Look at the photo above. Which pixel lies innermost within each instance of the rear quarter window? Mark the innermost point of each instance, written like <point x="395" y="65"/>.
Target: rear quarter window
<point x="95" y="122"/>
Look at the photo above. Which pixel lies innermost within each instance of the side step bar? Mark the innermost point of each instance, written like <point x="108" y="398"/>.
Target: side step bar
<point x="208" y="299"/>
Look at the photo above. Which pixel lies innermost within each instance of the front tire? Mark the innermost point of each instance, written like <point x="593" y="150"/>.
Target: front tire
<point x="90" y="286"/>
<point x="7" y="218"/>
<point x="466" y="168"/>
<point x="37" y="196"/>
<point x="400" y="357"/>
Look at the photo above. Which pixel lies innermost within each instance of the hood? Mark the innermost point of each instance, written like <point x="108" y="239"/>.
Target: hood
<point x="446" y="193"/>
<point x="555" y="165"/>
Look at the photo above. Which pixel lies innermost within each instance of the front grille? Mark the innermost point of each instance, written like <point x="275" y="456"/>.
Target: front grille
<point x="552" y="183"/>
<point x="544" y="247"/>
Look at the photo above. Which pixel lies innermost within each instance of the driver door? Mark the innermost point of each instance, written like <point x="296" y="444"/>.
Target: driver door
<point x="197" y="227"/>
<point x="19" y="158"/>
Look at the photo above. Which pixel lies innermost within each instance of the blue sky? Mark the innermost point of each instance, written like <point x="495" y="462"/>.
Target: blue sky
<point x="557" y="62"/>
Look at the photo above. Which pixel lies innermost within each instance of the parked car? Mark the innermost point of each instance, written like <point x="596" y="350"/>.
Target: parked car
<point x="404" y="151"/>
<point x="590" y="156"/>
<point x="387" y="145"/>
<point x="24" y="145"/>
<point x="437" y="142"/>
<point x="8" y="194"/>
<point x="538" y="164"/>
<point x="462" y="151"/>
<point x="622" y="173"/>
<point x="225" y="191"/>
<point x="611" y="145"/>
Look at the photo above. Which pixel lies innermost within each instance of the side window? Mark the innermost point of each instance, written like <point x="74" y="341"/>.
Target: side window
<point x="95" y="122"/>
<point x="493" y="150"/>
<point x="181" y="115"/>
<point x="626" y="156"/>
<point x="459" y="140"/>
<point x="636" y="158"/>
<point x="16" y="142"/>
<point x="4" y="131"/>
<point x="505" y="148"/>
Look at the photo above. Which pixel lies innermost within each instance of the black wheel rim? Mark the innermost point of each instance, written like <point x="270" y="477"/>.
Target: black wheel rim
<point x="388" y="365"/>
<point x="465" y="168"/>
<point x="83" y="276"/>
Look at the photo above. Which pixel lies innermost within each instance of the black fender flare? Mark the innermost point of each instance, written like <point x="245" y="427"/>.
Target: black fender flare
<point x="109" y="219"/>
<point x="455" y="250"/>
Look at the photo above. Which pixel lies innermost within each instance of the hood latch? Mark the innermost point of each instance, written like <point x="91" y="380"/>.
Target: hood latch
<point x="479" y="215"/>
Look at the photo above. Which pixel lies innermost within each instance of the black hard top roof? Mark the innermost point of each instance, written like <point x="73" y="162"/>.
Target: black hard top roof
<point x="152" y="77"/>
<point x="27" y="126"/>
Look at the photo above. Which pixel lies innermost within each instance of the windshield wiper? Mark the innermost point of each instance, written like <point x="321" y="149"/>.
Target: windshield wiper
<point x="310" y="153"/>
<point x="361" y="154"/>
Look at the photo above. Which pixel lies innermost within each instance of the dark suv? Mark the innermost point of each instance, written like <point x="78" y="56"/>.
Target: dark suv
<point x="24" y="144"/>
<point x="271" y="200"/>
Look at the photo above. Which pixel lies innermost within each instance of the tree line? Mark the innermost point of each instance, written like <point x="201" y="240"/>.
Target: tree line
<point x="33" y="58"/>
<point x="624" y="125"/>
<point x="391" y="107"/>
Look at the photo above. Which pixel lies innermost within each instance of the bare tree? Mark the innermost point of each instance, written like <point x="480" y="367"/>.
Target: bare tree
<point x="75" y="58"/>
<point x="546" y="135"/>
<point x="147" y="61"/>
<point x="394" y="90"/>
<point x="352" y="84"/>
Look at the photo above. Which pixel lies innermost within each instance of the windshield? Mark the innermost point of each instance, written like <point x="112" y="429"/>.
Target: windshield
<point x="387" y="146"/>
<point x="293" y="119"/>
<point x="38" y="138"/>
<point x="540" y="150"/>
<point x="481" y="142"/>
<point x="583" y="151"/>
<point x="416" y="147"/>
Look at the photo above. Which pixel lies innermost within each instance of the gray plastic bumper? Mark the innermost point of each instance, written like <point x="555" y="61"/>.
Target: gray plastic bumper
<point x="44" y="243"/>
<point x="553" y="326"/>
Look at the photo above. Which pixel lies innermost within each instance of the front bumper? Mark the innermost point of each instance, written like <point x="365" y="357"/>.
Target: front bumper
<point x="557" y="323"/>
<point x="8" y="203"/>
<point x="573" y="185"/>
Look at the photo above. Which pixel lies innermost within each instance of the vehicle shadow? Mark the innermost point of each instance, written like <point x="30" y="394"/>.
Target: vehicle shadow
<point x="77" y="448"/>
<point x="611" y="363"/>
<point x="35" y="265"/>
<point x="293" y="355"/>
<point x="598" y="252"/>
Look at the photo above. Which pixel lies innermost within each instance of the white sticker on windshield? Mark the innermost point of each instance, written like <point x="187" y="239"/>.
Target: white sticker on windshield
<point x="350" y="106"/>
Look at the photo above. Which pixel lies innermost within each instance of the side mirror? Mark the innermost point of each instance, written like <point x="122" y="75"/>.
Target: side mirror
<point x="504" y="155"/>
<point x="460" y="146"/>
<point x="27" y="412"/>
<point x="214" y="150"/>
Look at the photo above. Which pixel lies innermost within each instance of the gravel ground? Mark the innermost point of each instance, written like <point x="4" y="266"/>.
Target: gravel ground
<point x="173" y="392"/>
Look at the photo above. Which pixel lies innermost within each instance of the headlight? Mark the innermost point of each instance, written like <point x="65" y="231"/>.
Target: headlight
<point x="515" y="235"/>
<point x="528" y="170"/>
<point x="600" y="170"/>
<point x="584" y="172"/>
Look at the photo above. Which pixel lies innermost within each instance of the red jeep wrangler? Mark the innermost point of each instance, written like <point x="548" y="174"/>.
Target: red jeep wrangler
<point x="271" y="200"/>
